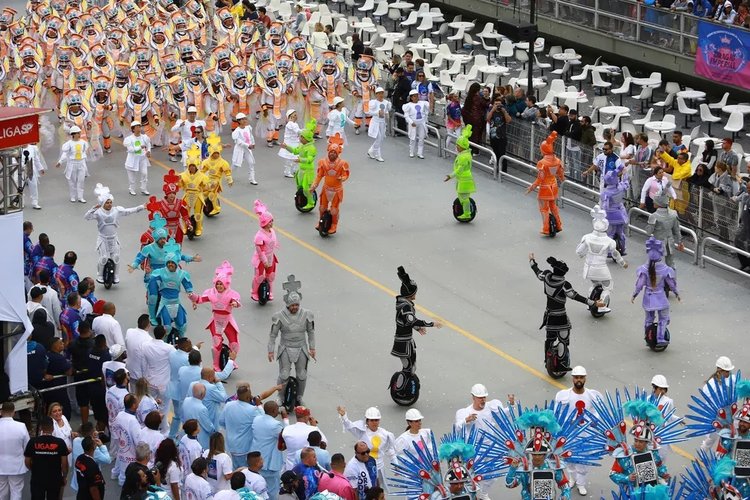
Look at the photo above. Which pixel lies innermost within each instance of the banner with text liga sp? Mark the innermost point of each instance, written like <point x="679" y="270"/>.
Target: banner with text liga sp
<point x="723" y="54"/>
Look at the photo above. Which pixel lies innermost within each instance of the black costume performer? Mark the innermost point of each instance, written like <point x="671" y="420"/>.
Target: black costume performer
<point x="557" y="290"/>
<point x="404" y="346"/>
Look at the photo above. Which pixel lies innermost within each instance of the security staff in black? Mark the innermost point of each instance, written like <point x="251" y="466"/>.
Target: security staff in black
<point x="404" y="346"/>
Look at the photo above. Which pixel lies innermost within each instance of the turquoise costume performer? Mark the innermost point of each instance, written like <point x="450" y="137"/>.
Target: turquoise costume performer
<point x="153" y="256"/>
<point x="710" y="478"/>
<point x="462" y="173"/>
<point x="164" y="292"/>
<point x="306" y="152"/>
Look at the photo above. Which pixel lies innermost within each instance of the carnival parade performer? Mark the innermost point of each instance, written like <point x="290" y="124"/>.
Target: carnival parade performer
<point x="306" y="153"/>
<point x="549" y="173"/>
<point x="295" y="327"/>
<point x="216" y="169"/>
<point x="244" y="143"/>
<point x="194" y="183"/>
<point x="404" y="346"/>
<point x="153" y="256"/>
<point x="264" y="255"/>
<point x="164" y="307"/>
<point x="415" y="114"/>
<point x="612" y="202"/>
<point x="333" y="171"/>
<point x="222" y="299"/>
<point x="291" y="138"/>
<point x="556" y="321"/>
<point x="338" y="117"/>
<point x="596" y="247"/>
<point x="107" y="219"/>
<point x="74" y="153"/>
<point x="651" y="278"/>
<point x="183" y="128"/>
<point x="34" y="167"/>
<point x="462" y="173"/>
<point x="379" y="109"/>
<point x="664" y="224"/>
<point x="137" y="162"/>
<point x="174" y="209"/>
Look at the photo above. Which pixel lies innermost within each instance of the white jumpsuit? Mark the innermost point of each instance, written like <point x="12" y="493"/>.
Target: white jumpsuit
<point x="415" y="114"/>
<point x="596" y="247"/>
<point x="137" y="162"/>
<point x="377" y="127"/>
<point x="291" y="138"/>
<point x="34" y="170"/>
<point x="107" y="243"/>
<point x="74" y="153"/>
<point x="243" y="139"/>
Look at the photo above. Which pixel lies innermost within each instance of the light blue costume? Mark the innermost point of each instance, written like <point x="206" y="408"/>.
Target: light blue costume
<point x="194" y="408"/>
<point x="164" y="293"/>
<point x="237" y="418"/>
<point x="157" y="255"/>
<point x="266" y="430"/>
<point x="177" y="359"/>
<point x="516" y="477"/>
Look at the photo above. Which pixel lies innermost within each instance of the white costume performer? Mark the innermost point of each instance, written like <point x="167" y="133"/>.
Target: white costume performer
<point x="337" y="120"/>
<point x="415" y="114"/>
<point x="597" y="247"/>
<point x="379" y="111"/>
<point x="297" y="343"/>
<point x="107" y="222"/>
<point x="380" y="441"/>
<point x="291" y="138"/>
<point x="74" y="154"/>
<point x="243" y="144"/>
<point x="137" y="161"/>
<point x="185" y="129"/>
<point x="34" y="166"/>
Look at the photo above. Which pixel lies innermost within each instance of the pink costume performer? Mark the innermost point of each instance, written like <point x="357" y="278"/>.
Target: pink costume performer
<point x="264" y="258"/>
<point x="222" y="299"/>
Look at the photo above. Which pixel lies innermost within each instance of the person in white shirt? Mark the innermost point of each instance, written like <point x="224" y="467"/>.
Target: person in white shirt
<point x="35" y="302"/>
<point x="253" y="480"/>
<point x="219" y="463"/>
<point x="236" y="482"/>
<point x="415" y="114"/>
<point x="155" y="365"/>
<point x="380" y="441"/>
<point x="135" y="340"/>
<point x="295" y="435"/>
<point x="74" y="153"/>
<point x="244" y="143"/>
<point x="51" y="301"/>
<point x="111" y="367"/>
<point x="338" y="117"/>
<point x="413" y="434"/>
<point x="479" y="412"/>
<point x="185" y="130"/>
<point x="379" y="110"/>
<point x="107" y="325"/>
<point x="197" y="486"/>
<point x="360" y="476"/>
<point x="34" y="168"/>
<point x="190" y="448"/>
<point x="151" y="435"/>
<point x="13" y="440"/>
<point x="137" y="162"/>
<point x="579" y="398"/>
<point x="125" y="429"/>
<point x="720" y="376"/>
<point x="291" y="138"/>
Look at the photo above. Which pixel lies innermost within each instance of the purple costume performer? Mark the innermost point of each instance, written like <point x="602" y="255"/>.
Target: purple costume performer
<point x="652" y="277"/>
<point x="612" y="198"/>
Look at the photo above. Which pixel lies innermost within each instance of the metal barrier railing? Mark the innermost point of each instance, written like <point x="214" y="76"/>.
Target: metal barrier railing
<point x="490" y="167"/>
<point x="430" y="128"/>
<point x="514" y="178"/>
<point x="568" y="185"/>
<point x="709" y="241"/>
<point x="686" y="231"/>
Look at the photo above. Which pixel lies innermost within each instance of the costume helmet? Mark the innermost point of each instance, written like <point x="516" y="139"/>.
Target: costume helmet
<point x="214" y="144"/>
<point x="292" y="287"/>
<point x="408" y="286"/>
<point x="654" y="249"/>
<point x="413" y="414"/>
<point x="336" y="143"/>
<point x="102" y="193"/>
<point x="171" y="182"/>
<point x="660" y="381"/>
<point x="559" y="267"/>
<point x="600" y="219"/>
<point x="744" y="414"/>
<point x="372" y="413"/>
<point x="611" y="178"/>
<point x="642" y="432"/>
<point x="194" y="155"/>
<point x="548" y="146"/>
<point x="463" y="141"/>
<point x="264" y="216"/>
<point x="537" y="446"/>
<point x="157" y="224"/>
<point x="309" y="131"/>
<point x="224" y="274"/>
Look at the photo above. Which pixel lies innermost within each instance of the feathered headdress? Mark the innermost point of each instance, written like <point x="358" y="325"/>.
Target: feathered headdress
<point x="264" y="216"/>
<point x="548" y="146"/>
<point x="715" y="407"/>
<point x="708" y="477"/>
<point x="309" y="131"/>
<point x="463" y="140"/>
<point x="743" y="389"/>
<point x="102" y="193"/>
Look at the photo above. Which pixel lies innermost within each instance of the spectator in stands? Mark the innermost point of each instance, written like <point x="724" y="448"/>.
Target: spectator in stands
<point x="357" y="47"/>
<point x="58" y="368"/>
<point x="407" y="58"/>
<point x="46" y="456"/>
<point x="50" y="301"/>
<point x="728" y="157"/>
<point x="13" y="440"/>
<point x="319" y="39"/>
<point x="727" y="13"/>
<point x="331" y="37"/>
<point x="400" y="95"/>
<point x="680" y="170"/>
<point x="498" y="119"/>
<point x="709" y="156"/>
<point x="700" y="179"/>
<point x="651" y="187"/>
<point x="410" y="72"/>
<point x="560" y="120"/>
<point x="605" y="162"/>
<point x="79" y="351"/>
<point x="425" y="89"/>
<point x="474" y="113"/>
<point x="516" y="102"/>
<point x="721" y="180"/>
<point x="573" y="145"/>
<point x="640" y="165"/>
<point x="530" y="112"/>
<point x="742" y="238"/>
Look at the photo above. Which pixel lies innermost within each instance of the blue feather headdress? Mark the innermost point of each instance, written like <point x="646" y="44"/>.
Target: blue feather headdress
<point x="714" y="407"/>
<point x="743" y="389"/>
<point x="658" y="492"/>
<point x="705" y="475"/>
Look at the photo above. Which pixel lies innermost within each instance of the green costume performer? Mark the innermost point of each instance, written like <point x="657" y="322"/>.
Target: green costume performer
<point x="462" y="173"/>
<point x="306" y="153"/>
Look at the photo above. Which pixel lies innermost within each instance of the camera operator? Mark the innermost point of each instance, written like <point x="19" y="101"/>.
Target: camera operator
<point x="139" y="479"/>
<point x="560" y="120"/>
<point x="498" y="119"/>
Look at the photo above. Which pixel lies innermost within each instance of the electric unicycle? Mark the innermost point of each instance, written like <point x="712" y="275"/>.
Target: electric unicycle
<point x="208" y="207"/>
<point x="300" y="201"/>
<point x="108" y="274"/>
<point x="404" y="388"/>
<point x="552" y="225"/>
<point x="595" y="295"/>
<point x="264" y="292"/>
<point x="651" y="338"/>
<point x="458" y="210"/>
<point x="556" y="366"/>
<point x="190" y="233"/>
<point x="324" y="223"/>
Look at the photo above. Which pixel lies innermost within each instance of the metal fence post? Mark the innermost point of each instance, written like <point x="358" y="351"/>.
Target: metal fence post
<point x="700" y="208"/>
<point x="682" y="33"/>
<point x="596" y="14"/>
<point x="638" y="21"/>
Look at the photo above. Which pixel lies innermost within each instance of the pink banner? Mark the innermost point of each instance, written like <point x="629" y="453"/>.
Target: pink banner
<point x="723" y="54"/>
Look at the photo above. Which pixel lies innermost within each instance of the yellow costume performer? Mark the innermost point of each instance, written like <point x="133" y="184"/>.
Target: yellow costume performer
<point x="194" y="182"/>
<point x="216" y="168"/>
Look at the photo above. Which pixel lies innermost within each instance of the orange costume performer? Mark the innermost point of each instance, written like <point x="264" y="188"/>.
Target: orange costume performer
<point x="549" y="173"/>
<point x="333" y="171"/>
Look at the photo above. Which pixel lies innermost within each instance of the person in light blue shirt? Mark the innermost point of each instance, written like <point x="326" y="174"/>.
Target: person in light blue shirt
<point x="324" y="458"/>
<point x="193" y="408"/>
<point x="216" y="396"/>
<point x="101" y="454"/>
<point x="186" y="375"/>
<point x="266" y="431"/>
<point x="237" y="418"/>
<point x="177" y="359"/>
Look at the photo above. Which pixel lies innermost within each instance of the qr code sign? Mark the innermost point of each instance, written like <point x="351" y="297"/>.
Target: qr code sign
<point x="646" y="472"/>
<point x="742" y="457"/>
<point x="544" y="489"/>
